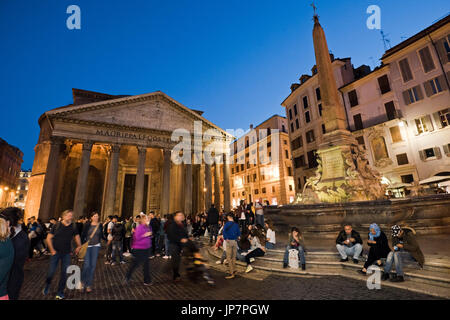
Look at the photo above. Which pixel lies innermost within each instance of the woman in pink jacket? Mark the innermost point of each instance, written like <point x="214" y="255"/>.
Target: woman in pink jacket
<point x="141" y="250"/>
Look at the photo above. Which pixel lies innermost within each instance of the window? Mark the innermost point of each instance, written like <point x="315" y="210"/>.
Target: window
<point x="310" y="136"/>
<point x="409" y="178"/>
<point x="442" y="118"/>
<point x="300" y="162"/>
<point x="320" y="109"/>
<point x="290" y="114"/>
<point x="307" y="117"/>
<point x="405" y="70"/>
<point x="295" y="109"/>
<point x="423" y="124"/>
<point x="287" y="154"/>
<point x="430" y="154"/>
<point x="263" y="190"/>
<point x="426" y="59"/>
<point x="383" y="82"/>
<point x="292" y="127"/>
<point x="232" y="170"/>
<point x="446" y="44"/>
<point x="297" y="143"/>
<point x="256" y="191"/>
<point x="402" y="159"/>
<point x="323" y="129"/>
<point x="290" y="187"/>
<point x="318" y="94"/>
<point x="312" y="160"/>
<point x="412" y="95"/>
<point x="390" y="110"/>
<point x="353" y="97"/>
<point x="305" y="102"/>
<point x="358" y="122"/>
<point x="289" y="169"/>
<point x="297" y="124"/>
<point x="285" y="142"/>
<point x="242" y="167"/>
<point x="434" y="86"/>
<point x="254" y="177"/>
<point x="360" y="140"/>
<point x="299" y="184"/>
<point x="273" y="189"/>
<point x="396" y="134"/>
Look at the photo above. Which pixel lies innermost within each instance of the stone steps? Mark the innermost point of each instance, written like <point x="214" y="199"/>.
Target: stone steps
<point x="435" y="283"/>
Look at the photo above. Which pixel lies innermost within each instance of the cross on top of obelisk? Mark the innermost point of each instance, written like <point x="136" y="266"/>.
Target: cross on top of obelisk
<point x="316" y="17"/>
<point x="314" y="7"/>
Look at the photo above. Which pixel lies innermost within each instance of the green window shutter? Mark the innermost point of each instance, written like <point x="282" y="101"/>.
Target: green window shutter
<point x="422" y="155"/>
<point x="437" y="152"/>
<point x="406" y="97"/>
<point x="442" y="82"/>
<point x="437" y="120"/>
<point x="446" y="149"/>
<point x="419" y="92"/>
<point x="428" y="90"/>
<point x="429" y="123"/>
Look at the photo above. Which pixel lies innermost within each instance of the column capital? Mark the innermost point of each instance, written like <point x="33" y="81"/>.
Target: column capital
<point x="87" y="145"/>
<point x="54" y="140"/>
<point x="115" y="148"/>
<point x="141" y="149"/>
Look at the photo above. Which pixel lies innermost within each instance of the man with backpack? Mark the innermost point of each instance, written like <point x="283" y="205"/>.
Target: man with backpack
<point x="118" y="234"/>
<point x="59" y="242"/>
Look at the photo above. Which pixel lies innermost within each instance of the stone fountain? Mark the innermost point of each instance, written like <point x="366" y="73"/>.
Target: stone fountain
<point x="345" y="187"/>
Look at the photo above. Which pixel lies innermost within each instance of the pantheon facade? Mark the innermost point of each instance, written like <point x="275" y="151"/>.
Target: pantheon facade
<point x="112" y="154"/>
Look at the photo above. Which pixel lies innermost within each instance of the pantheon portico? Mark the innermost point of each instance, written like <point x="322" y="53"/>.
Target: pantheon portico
<point x="113" y="154"/>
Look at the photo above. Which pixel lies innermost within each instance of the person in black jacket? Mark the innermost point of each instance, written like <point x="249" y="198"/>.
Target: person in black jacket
<point x="118" y="233"/>
<point x="155" y="223"/>
<point x="21" y="245"/>
<point x="379" y="247"/>
<point x="213" y="222"/>
<point x="348" y="243"/>
<point x="177" y="234"/>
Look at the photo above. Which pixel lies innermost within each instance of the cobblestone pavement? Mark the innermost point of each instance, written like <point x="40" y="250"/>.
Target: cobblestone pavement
<point x="257" y="285"/>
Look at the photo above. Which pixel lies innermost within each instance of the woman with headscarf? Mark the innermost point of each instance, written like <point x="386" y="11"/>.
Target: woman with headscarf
<point x="379" y="247"/>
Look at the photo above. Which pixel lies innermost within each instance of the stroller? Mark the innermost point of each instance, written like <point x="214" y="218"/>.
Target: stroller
<point x="195" y="264"/>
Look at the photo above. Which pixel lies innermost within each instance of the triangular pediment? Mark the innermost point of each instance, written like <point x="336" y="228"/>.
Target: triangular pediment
<point x="155" y="111"/>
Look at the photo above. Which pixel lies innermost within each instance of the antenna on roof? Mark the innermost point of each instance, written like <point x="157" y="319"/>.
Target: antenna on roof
<point x="386" y="41"/>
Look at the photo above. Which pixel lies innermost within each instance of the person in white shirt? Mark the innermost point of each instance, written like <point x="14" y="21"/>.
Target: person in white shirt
<point x="259" y="210"/>
<point x="270" y="235"/>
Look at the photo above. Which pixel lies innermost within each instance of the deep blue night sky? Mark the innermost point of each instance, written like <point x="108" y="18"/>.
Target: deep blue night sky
<point x="233" y="59"/>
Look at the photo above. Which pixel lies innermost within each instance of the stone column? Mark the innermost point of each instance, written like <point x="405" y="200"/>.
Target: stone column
<point x="226" y="184"/>
<point x="140" y="181"/>
<point x="188" y="189"/>
<point x="208" y="186"/>
<point x="80" y="192"/>
<point x="217" y="186"/>
<point x="49" y="189"/>
<point x="165" y="194"/>
<point x="112" y="181"/>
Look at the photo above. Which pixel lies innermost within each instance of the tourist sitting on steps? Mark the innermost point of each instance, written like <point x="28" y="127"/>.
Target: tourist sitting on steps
<point x="405" y="247"/>
<point x="296" y="242"/>
<point x="379" y="247"/>
<point x="257" y="248"/>
<point x="270" y="235"/>
<point x="349" y="243"/>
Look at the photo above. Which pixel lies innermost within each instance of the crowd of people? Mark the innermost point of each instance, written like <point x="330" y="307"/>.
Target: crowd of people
<point x="243" y="234"/>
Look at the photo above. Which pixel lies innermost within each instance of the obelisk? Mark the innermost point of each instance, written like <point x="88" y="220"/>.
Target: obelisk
<point x="343" y="173"/>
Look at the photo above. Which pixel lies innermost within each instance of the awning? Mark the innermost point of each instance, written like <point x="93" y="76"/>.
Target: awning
<point x="399" y="185"/>
<point x="435" y="179"/>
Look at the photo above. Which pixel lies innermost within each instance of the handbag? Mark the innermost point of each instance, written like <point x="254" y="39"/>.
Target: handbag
<point x="84" y="246"/>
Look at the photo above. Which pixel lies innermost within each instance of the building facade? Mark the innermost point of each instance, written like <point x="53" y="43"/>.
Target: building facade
<point x="398" y="112"/>
<point x="115" y="155"/>
<point x="22" y="188"/>
<point x="261" y="164"/>
<point x="10" y="162"/>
